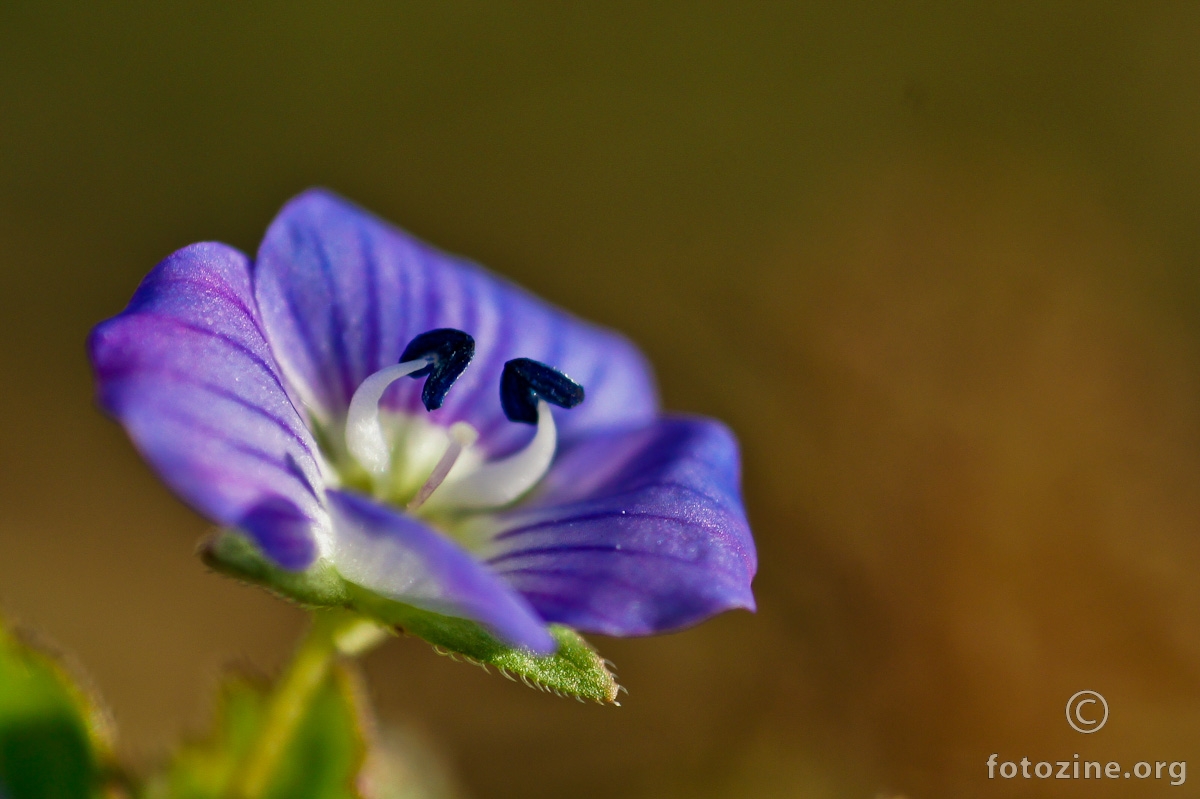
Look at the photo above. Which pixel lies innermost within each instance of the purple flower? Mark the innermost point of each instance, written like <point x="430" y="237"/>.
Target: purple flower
<point x="270" y="395"/>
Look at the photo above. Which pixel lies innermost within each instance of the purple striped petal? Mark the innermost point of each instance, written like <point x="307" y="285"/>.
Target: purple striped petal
<point x="342" y="293"/>
<point x="634" y="532"/>
<point x="187" y="370"/>
<point x="400" y="558"/>
<point x="283" y="531"/>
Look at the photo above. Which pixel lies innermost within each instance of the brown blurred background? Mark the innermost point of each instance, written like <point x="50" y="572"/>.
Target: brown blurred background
<point x="936" y="263"/>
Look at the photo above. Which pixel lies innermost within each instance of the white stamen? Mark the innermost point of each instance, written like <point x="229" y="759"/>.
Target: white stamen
<point x="364" y="433"/>
<point x="462" y="435"/>
<point x="500" y="482"/>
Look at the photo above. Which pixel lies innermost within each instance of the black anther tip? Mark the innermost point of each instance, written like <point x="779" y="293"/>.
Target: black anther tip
<point x="448" y="352"/>
<point x="525" y="381"/>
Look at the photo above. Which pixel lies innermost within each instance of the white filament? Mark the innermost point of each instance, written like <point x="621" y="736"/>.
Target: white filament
<point x="462" y="435"/>
<point x="500" y="482"/>
<point x="364" y="432"/>
<point x="472" y="486"/>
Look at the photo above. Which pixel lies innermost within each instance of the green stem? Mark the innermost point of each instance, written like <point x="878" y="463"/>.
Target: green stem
<point x="325" y="640"/>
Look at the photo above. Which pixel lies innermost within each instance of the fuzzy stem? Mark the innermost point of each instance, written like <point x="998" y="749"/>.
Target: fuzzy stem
<point x="293" y="693"/>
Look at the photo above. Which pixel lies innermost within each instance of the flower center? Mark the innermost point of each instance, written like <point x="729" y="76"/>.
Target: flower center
<point x="437" y="470"/>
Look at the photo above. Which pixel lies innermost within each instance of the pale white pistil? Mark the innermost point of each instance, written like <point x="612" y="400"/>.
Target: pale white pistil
<point x="462" y="436"/>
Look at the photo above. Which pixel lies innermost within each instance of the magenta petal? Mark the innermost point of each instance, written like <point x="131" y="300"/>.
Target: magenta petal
<point x="399" y="557"/>
<point x="634" y="532"/>
<point x="186" y="369"/>
<point x="342" y="293"/>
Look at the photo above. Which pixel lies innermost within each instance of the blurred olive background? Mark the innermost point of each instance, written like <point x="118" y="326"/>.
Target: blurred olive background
<point x="936" y="263"/>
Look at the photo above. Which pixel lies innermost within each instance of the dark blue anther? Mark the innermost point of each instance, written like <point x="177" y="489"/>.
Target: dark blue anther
<point x="448" y="352"/>
<point x="525" y="381"/>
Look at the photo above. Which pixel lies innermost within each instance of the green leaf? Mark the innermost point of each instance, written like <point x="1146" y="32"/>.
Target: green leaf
<point x="53" y="741"/>
<point x="204" y="770"/>
<point x="321" y="759"/>
<point x="575" y="670"/>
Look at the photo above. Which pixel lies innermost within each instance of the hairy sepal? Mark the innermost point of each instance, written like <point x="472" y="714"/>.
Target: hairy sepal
<point x="574" y="670"/>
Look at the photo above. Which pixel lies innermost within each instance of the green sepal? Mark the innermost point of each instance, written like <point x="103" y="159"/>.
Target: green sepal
<point x="322" y="759"/>
<point x="54" y="740"/>
<point x="233" y="554"/>
<point x="574" y="670"/>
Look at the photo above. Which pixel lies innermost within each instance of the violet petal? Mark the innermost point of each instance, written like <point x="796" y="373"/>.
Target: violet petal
<point x="399" y="557"/>
<point x="187" y="371"/>
<point x="634" y="532"/>
<point x="343" y="292"/>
